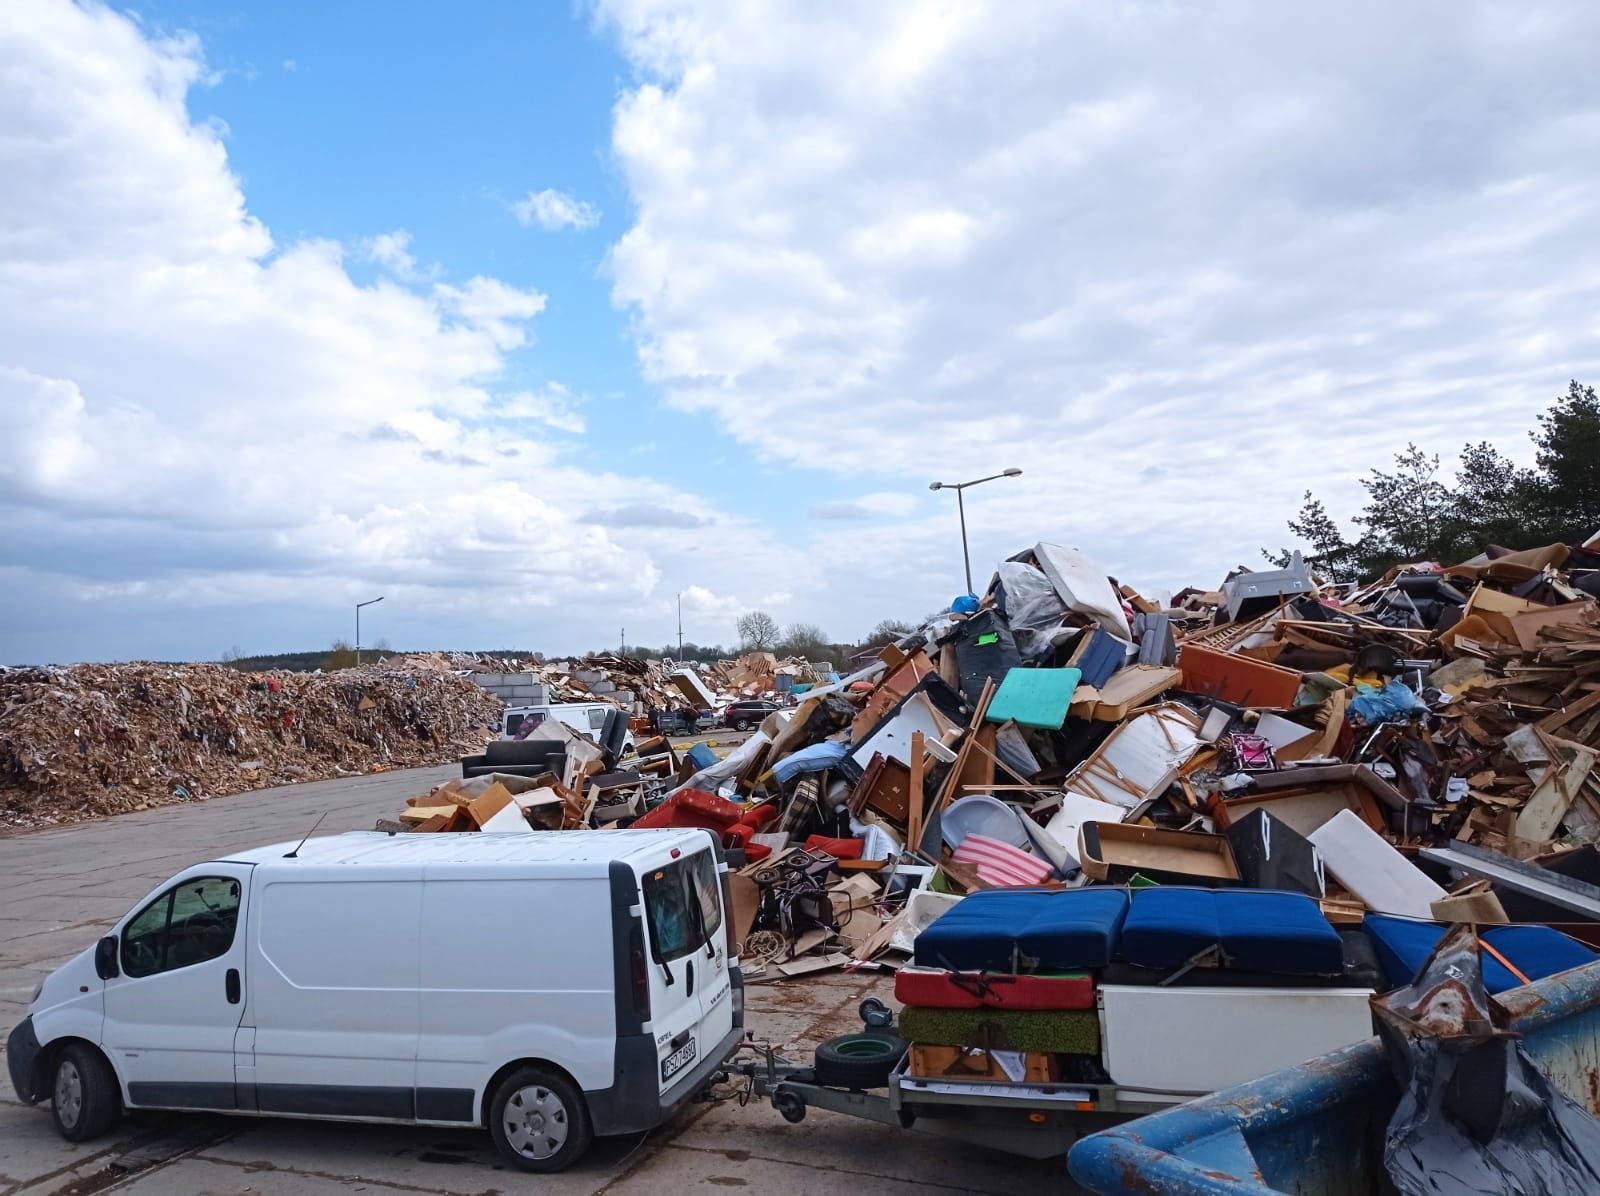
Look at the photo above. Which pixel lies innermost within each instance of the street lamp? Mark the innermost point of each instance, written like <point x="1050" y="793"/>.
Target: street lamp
<point x="961" y="506"/>
<point x="359" y="605"/>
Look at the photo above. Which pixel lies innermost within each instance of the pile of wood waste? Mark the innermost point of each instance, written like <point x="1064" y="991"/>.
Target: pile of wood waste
<point x="95" y="739"/>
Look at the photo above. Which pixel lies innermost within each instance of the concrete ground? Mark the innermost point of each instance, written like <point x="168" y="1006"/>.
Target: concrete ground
<point x="61" y="888"/>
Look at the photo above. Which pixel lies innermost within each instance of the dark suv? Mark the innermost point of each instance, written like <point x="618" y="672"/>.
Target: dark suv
<point x="741" y="716"/>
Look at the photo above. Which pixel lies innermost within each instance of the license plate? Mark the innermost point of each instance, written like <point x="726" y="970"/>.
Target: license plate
<point x="678" y="1060"/>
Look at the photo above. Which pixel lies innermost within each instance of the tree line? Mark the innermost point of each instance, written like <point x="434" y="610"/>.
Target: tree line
<point x="1415" y="512"/>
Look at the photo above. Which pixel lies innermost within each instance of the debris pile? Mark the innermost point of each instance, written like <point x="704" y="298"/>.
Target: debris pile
<point x="91" y="740"/>
<point x="638" y="685"/>
<point x="1063" y="730"/>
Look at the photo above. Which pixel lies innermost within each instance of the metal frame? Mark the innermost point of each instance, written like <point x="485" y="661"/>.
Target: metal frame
<point x="1036" y="1121"/>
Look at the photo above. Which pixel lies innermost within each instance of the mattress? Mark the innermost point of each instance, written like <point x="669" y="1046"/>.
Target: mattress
<point x="1020" y="931"/>
<point x="1064" y="1032"/>
<point x="1404" y="944"/>
<point x="1259" y="930"/>
<point x="934" y="988"/>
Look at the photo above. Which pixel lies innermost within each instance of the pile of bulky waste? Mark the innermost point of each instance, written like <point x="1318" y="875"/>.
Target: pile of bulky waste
<point x="1415" y="751"/>
<point x="638" y="684"/>
<point x="94" y="739"/>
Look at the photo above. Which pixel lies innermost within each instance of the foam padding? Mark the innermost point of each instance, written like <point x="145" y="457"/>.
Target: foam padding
<point x="1404" y="944"/>
<point x="934" y="988"/>
<point x="1026" y="930"/>
<point x="1258" y="930"/>
<point x="1052" y="1032"/>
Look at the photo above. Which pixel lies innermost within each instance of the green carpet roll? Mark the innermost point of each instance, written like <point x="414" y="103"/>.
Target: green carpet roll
<point x="1053" y="1032"/>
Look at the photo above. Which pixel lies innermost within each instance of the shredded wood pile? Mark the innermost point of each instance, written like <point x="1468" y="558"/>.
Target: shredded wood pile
<point x="97" y="739"/>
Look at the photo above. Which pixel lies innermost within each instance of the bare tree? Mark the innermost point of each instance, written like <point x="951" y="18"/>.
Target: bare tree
<point x="758" y="631"/>
<point x="806" y="640"/>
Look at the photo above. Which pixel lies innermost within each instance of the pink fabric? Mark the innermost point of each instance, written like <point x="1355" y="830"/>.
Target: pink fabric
<point x="1000" y="863"/>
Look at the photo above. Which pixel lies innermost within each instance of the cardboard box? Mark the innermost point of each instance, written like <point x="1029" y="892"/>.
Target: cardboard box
<point x="930" y="1062"/>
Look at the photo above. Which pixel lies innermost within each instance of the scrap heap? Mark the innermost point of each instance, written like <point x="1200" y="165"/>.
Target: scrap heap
<point x="92" y="739"/>
<point x="1373" y="748"/>
<point x="636" y="684"/>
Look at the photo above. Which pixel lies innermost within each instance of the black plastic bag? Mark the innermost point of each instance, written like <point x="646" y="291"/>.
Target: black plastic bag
<point x="1475" y="1113"/>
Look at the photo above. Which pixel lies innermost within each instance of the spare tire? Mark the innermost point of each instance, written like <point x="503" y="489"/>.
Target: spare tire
<point x="858" y="1061"/>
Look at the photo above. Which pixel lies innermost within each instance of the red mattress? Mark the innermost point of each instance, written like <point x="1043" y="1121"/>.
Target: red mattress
<point x="933" y="988"/>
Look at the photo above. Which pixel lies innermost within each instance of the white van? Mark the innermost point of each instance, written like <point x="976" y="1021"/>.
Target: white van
<point x="547" y="986"/>
<point x="588" y="717"/>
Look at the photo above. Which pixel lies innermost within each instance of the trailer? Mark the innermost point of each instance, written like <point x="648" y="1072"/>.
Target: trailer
<point x="1031" y="1120"/>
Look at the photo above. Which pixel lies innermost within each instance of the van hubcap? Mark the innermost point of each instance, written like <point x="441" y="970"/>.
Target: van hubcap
<point x="69" y="1094"/>
<point x="536" y="1122"/>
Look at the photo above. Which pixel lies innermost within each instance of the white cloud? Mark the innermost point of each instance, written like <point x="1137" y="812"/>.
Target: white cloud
<point x="290" y="65"/>
<point x="554" y="407"/>
<point x="392" y="251"/>
<point x="1178" y="263"/>
<point x="555" y="210"/>
<point x="204" y="433"/>
<point x="882" y="505"/>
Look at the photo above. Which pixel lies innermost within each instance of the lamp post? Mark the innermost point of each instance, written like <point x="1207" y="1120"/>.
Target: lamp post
<point x="359" y="605"/>
<point x="961" y="506"/>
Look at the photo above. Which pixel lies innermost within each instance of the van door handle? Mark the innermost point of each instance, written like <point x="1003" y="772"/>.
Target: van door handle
<point x="688" y="977"/>
<point x="231" y="985"/>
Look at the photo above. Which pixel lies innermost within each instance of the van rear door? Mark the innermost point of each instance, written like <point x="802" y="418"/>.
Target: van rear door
<point x="690" y="999"/>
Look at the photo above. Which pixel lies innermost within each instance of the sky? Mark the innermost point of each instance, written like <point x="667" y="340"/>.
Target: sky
<point x="533" y="318"/>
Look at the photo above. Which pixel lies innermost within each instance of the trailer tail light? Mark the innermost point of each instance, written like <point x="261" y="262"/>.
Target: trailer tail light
<point x="639" y="971"/>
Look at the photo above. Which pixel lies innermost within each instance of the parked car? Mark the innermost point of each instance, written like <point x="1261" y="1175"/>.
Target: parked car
<point x="680" y="722"/>
<point x="370" y="977"/>
<point x="741" y="716"/>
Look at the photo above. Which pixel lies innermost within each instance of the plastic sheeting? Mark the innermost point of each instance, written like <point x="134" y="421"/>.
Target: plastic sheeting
<point x="1476" y="1114"/>
<point x="1032" y="607"/>
<point x="1395" y="702"/>
<point x="712" y="779"/>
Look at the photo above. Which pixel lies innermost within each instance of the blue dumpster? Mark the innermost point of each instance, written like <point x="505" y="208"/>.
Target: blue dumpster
<point x="1317" y="1129"/>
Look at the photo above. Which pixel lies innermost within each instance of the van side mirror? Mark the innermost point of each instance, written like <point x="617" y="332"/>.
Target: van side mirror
<point x="105" y="958"/>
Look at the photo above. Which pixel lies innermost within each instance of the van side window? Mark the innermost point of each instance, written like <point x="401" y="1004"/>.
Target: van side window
<point x="513" y="721"/>
<point x="188" y="924"/>
<point x="597" y="718"/>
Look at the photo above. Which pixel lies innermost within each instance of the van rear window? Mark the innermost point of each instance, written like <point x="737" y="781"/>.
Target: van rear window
<point x="683" y="905"/>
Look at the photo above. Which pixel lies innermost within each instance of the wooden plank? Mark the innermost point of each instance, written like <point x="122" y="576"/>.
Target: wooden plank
<point x="917" y="797"/>
<point x="1562" y="717"/>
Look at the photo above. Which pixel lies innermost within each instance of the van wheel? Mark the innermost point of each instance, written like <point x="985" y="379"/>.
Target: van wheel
<point x="539" y="1121"/>
<point x="84" y="1096"/>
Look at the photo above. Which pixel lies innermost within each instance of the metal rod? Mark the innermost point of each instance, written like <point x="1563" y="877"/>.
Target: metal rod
<point x="966" y="559"/>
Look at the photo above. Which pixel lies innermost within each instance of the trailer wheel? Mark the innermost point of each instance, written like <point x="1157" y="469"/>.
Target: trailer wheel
<point x="858" y="1061"/>
<point x="789" y="1106"/>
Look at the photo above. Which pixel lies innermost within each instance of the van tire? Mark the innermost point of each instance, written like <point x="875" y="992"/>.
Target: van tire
<point x="859" y="1061"/>
<point x="534" y="1111"/>
<point x="83" y="1093"/>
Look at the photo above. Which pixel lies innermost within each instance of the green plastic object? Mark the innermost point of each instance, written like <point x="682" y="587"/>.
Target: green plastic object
<point x="1034" y="697"/>
<point x="1140" y="881"/>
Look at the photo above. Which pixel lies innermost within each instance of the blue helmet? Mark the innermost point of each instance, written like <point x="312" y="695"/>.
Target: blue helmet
<point x="967" y="604"/>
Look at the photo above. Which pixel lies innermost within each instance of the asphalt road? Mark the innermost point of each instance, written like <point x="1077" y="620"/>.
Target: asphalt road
<point x="61" y="888"/>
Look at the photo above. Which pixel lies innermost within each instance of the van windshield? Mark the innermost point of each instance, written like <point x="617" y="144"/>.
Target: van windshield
<point x="683" y="904"/>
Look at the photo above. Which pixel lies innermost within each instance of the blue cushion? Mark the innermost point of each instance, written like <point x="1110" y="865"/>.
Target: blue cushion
<point x="1404" y="944"/>
<point x="1049" y="930"/>
<point x="1258" y="930"/>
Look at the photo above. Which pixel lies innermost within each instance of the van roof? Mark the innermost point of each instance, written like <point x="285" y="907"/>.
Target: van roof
<point x="595" y="848"/>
